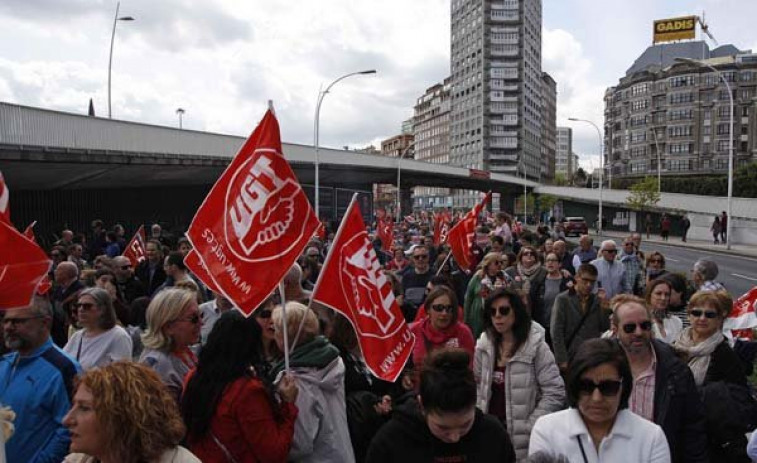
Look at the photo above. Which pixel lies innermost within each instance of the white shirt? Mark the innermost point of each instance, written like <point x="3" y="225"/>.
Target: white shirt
<point x="673" y="327"/>
<point x="97" y="351"/>
<point x="632" y="439"/>
<point x="210" y="314"/>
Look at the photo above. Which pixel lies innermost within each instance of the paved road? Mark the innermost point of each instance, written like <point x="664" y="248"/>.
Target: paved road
<point x="738" y="274"/>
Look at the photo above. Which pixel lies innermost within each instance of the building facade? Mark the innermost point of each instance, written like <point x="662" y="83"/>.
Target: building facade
<point x="563" y="152"/>
<point x="677" y="114"/>
<point x="385" y="195"/>
<point x="431" y="134"/>
<point x="548" y="128"/>
<point x="495" y="94"/>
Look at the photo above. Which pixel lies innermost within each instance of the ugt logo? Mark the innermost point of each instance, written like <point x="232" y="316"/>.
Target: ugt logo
<point x="261" y="209"/>
<point x="367" y="290"/>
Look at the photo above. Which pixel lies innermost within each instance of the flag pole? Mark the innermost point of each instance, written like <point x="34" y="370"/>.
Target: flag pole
<point x="439" y="270"/>
<point x="284" y="325"/>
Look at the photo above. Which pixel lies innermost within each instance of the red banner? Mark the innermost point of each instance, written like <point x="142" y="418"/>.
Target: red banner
<point x="197" y="267"/>
<point x="743" y="316"/>
<point x="23" y="265"/>
<point x="29" y="232"/>
<point x="136" y="250"/>
<point x="441" y="227"/>
<point x="385" y="232"/>
<point x="255" y="221"/>
<point x="353" y="283"/>
<point x="5" y="209"/>
<point x="463" y="234"/>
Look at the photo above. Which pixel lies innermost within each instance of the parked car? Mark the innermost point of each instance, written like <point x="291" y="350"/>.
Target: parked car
<point x="575" y="225"/>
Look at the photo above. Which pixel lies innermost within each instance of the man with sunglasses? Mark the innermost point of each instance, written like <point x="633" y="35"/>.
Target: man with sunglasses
<point x="611" y="274"/>
<point x="129" y="286"/>
<point x="36" y="381"/>
<point x="663" y="391"/>
<point x="415" y="278"/>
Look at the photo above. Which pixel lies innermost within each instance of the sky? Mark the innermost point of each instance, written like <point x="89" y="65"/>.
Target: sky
<point x="222" y="60"/>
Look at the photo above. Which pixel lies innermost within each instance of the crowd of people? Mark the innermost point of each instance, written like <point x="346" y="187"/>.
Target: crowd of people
<point x="541" y="352"/>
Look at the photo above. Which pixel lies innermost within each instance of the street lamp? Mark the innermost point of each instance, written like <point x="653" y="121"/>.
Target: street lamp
<point x="399" y="162"/>
<point x="700" y="64"/>
<point x="525" y="195"/>
<point x="180" y="112"/>
<point x="316" y="129"/>
<point x="601" y="168"/>
<point x="110" y="59"/>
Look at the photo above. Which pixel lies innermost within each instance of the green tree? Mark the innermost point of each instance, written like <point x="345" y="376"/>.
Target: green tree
<point x="745" y="181"/>
<point x="531" y="201"/>
<point x="547" y="202"/>
<point x="560" y="179"/>
<point x="644" y="194"/>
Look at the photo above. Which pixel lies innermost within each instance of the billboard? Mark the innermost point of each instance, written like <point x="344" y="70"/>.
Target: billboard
<point x="667" y="30"/>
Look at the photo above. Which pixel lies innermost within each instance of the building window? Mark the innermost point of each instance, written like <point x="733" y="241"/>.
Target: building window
<point x="681" y="81"/>
<point x="678" y="98"/>
<point x="679" y="131"/>
<point x="679" y="148"/>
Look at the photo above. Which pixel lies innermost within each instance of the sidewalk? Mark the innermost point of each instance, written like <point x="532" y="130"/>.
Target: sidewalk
<point x="736" y="249"/>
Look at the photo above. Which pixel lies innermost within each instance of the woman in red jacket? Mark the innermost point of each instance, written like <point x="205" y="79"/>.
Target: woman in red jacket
<point x="230" y="412"/>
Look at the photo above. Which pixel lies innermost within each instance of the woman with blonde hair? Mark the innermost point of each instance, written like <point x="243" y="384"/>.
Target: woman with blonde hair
<point x="321" y="432"/>
<point x="173" y="325"/>
<point x="100" y="341"/>
<point x="121" y="413"/>
<point x="488" y="276"/>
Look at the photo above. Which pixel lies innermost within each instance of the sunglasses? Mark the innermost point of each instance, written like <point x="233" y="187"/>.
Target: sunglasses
<point x="502" y="310"/>
<point x="264" y="313"/>
<point x="194" y="319"/>
<point x="697" y="313"/>
<point x="421" y="256"/>
<point x="442" y="308"/>
<point x="607" y="388"/>
<point x="629" y="328"/>
<point x="84" y="306"/>
<point x="611" y="251"/>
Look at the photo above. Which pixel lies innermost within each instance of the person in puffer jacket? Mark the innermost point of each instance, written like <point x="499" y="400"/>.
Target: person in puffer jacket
<point x="517" y="377"/>
<point x="321" y="433"/>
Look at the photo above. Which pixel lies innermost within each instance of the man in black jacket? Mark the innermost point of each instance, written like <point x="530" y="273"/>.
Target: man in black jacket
<point x="664" y="390"/>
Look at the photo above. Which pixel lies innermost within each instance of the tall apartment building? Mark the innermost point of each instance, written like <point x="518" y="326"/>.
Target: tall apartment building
<point x="385" y="195"/>
<point x="548" y="127"/>
<point x="564" y="151"/>
<point x="496" y="82"/>
<point x="431" y="134"/>
<point x="680" y="112"/>
<point x="573" y="165"/>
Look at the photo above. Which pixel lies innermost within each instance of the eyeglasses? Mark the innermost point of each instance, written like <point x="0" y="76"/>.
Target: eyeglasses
<point x="607" y="388"/>
<point x="85" y="306"/>
<point x="264" y="313"/>
<point x="697" y="313"/>
<point x="629" y="328"/>
<point x="442" y="308"/>
<point x="503" y="310"/>
<point x="611" y="251"/>
<point x="194" y="319"/>
<point x="19" y="320"/>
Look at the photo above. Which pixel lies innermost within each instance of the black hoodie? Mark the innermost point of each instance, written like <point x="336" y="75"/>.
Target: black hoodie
<point x="406" y="438"/>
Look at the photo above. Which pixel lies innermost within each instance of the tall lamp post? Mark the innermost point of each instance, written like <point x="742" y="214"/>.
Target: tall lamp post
<point x="316" y="129"/>
<point x="399" y="196"/>
<point x="180" y="112"/>
<point x="601" y="168"/>
<point x="110" y="59"/>
<point x="525" y="196"/>
<point x="701" y="64"/>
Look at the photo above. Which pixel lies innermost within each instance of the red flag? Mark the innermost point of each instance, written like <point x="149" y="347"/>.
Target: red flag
<point x="743" y="317"/>
<point x="29" y="232"/>
<point x="386" y="233"/>
<point x="462" y="235"/>
<point x="197" y="267"/>
<point x="441" y="227"/>
<point x="353" y="283"/>
<point x="136" y="249"/>
<point x="5" y="210"/>
<point x="255" y="221"/>
<point x="23" y="264"/>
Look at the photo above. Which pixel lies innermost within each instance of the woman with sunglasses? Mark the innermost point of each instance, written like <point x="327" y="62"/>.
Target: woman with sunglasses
<point x="655" y="267"/>
<point x="173" y="327"/>
<point x="100" y="341"/>
<point x="517" y="377"/>
<point x="490" y="269"/>
<point x="270" y="352"/>
<point x="229" y="407"/>
<point x="528" y="276"/>
<point x="666" y="326"/>
<point x="718" y="373"/>
<point x="441" y="327"/>
<point x="598" y="427"/>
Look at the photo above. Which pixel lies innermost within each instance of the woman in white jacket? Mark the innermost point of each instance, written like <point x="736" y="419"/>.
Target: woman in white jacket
<point x="517" y="377"/>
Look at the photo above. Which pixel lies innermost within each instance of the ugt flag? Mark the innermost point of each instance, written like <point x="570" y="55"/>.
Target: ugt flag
<point x="462" y="235"/>
<point x="255" y="221"/>
<point x="5" y="209"/>
<point x="441" y="227"/>
<point x="23" y="265"/>
<point x="743" y="317"/>
<point x="197" y="267"/>
<point x="352" y="282"/>
<point x="136" y="250"/>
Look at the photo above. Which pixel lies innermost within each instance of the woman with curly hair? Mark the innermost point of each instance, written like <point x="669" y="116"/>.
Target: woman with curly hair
<point x="122" y="413"/>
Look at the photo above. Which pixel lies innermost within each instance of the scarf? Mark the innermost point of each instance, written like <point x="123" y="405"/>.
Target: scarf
<point x="317" y="353"/>
<point x="698" y="354"/>
<point x="438" y="337"/>
<point x="527" y="274"/>
<point x="629" y="257"/>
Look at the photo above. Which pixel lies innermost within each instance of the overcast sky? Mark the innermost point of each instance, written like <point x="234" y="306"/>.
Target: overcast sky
<point x="221" y="60"/>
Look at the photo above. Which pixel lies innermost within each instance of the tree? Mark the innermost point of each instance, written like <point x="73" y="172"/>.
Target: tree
<point x="547" y="202"/>
<point x="745" y="181"/>
<point x="579" y="177"/>
<point x="644" y="194"/>
<point x="560" y="179"/>
<point x="531" y="201"/>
